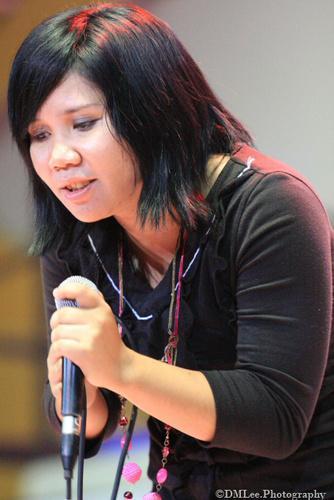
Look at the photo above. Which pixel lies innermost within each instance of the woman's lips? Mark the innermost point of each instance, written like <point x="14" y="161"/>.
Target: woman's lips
<point x="78" y="195"/>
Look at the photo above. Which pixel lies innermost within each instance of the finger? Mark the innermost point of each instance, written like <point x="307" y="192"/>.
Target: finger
<point x="53" y="368"/>
<point x="85" y="296"/>
<point x="76" y="333"/>
<point x="70" y="316"/>
<point x="55" y="371"/>
<point x="56" y="390"/>
<point x="68" y="348"/>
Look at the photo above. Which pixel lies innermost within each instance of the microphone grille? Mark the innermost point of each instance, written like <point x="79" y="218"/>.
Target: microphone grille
<point x="73" y="279"/>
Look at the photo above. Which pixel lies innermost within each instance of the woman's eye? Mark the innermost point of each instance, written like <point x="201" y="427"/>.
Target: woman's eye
<point x="39" y="136"/>
<point x="84" y="125"/>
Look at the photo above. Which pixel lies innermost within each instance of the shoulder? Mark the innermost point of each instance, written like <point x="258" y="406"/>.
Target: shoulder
<point x="260" y="196"/>
<point x="249" y="169"/>
<point x="274" y="184"/>
<point x="263" y="163"/>
<point x="278" y="207"/>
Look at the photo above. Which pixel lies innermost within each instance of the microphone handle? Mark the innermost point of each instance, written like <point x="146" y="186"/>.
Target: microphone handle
<point x="72" y="407"/>
<point x="73" y="384"/>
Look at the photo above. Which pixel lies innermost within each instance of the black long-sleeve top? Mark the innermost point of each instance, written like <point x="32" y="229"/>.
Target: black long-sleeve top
<point x="256" y="319"/>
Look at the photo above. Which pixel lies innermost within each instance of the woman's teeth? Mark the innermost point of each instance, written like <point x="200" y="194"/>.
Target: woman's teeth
<point x="77" y="186"/>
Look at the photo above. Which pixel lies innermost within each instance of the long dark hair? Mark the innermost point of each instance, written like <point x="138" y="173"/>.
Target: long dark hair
<point x="155" y="94"/>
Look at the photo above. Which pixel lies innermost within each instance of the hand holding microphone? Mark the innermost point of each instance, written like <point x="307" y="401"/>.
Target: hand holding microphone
<point x="84" y="333"/>
<point x="87" y="335"/>
<point x="73" y="399"/>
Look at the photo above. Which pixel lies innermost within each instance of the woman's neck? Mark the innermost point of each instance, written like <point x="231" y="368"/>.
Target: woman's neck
<point x="156" y="247"/>
<point x="215" y="165"/>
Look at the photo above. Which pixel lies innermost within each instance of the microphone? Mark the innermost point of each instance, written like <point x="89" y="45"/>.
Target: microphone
<point x="72" y="394"/>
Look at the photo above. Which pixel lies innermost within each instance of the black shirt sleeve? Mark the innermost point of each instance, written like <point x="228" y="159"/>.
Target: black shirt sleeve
<point x="54" y="271"/>
<point x="283" y="262"/>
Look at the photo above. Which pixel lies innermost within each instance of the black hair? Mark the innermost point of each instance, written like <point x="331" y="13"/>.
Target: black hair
<point x="157" y="98"/>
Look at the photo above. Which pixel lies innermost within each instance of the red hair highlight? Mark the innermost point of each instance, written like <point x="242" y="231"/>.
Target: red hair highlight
<point x="80" y="21"/>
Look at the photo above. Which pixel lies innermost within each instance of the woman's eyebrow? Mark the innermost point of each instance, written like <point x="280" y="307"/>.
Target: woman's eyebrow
<point x="72" y="110"/>
<point x="80" y="107"/>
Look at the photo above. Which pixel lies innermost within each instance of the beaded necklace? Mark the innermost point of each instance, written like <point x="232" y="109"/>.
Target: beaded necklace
<point x="131" y="471"/>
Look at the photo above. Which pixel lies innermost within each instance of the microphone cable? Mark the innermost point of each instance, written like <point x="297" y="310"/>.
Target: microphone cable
<point x="68" y="488"/>
<point x="81" y="456"/>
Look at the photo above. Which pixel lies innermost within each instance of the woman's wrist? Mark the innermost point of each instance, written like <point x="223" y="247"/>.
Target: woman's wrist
<point x="127" y="371"/>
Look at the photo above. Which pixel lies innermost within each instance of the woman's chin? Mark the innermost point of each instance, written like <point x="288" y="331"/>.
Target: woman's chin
<point x="89" y="218"/>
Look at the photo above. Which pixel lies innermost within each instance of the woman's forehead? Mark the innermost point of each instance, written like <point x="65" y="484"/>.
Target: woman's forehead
<point x="72" y="94"/>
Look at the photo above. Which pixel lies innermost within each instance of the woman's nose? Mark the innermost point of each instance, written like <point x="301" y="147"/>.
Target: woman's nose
<point x="63" y="156"/>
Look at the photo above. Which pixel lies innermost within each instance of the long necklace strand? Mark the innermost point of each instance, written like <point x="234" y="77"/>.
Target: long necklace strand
<point x="123" y="420"/>
<point x="131" y="471"/>
<point x="170" y="357"/>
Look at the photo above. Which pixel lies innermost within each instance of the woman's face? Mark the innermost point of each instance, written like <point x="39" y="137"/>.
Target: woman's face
<point x="75" y="153"/>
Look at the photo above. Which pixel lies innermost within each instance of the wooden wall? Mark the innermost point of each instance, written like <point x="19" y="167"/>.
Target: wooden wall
<point x="24" y="433"/>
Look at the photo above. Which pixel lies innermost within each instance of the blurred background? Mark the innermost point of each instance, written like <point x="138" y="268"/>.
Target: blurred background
<point x="272" y="65"/>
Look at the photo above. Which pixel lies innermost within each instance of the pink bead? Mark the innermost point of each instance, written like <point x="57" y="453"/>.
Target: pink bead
<point x="162" y="475"/>
<point x="123" y="438"/>
<point x="165" y="452"/>
<point x="132" y="472"/>
<point x="123" y="421"/>
<point x="152" y="496"/>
